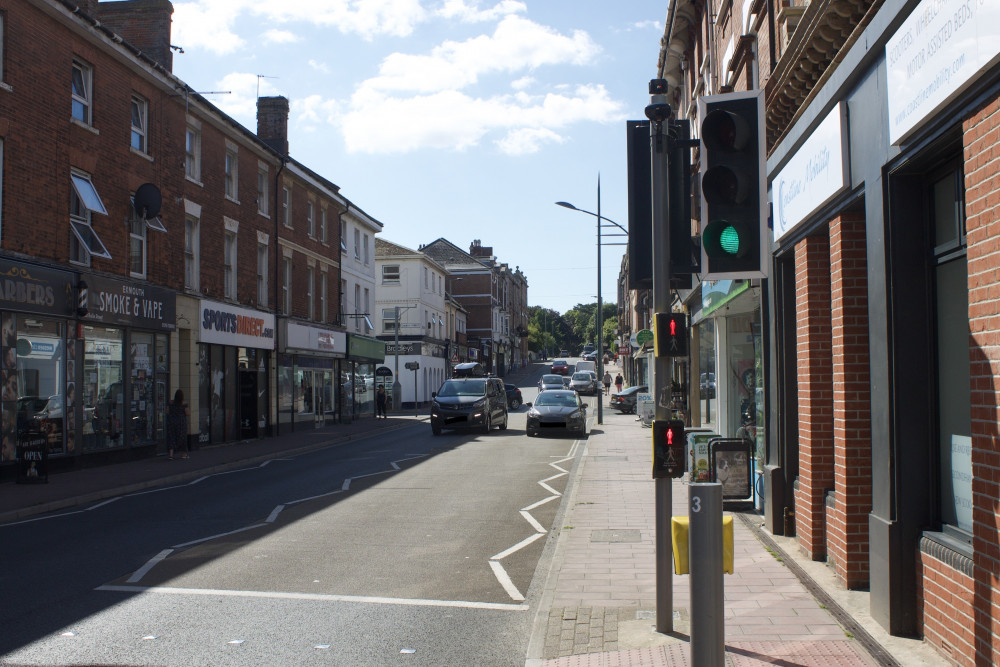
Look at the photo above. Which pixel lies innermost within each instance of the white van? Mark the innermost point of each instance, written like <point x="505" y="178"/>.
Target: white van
<point x="586" y="366"/>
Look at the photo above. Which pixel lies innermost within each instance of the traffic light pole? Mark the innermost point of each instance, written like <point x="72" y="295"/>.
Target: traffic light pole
<point x="658" y="113"/>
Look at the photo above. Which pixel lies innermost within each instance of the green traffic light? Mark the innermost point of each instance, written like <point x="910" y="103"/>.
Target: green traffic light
<point x="729" y="241"/>
<point x="723" y="239"/>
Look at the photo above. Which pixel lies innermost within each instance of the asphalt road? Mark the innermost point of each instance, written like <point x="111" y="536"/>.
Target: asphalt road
<point x="398" y="549"/>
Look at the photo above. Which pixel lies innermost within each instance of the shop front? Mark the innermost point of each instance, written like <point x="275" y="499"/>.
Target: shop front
<point x="365" y="357"/>
<point x="125" y="363"/>
<point x="309" y="392"/>
<point x="38" y="348"/>
<point x="235" y="345"/>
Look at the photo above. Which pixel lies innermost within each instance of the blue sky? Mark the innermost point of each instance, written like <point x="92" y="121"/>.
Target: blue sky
<point x="461" y="119"/>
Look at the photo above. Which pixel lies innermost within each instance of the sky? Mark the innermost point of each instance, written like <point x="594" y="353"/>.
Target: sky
<point x="462" y="119"/>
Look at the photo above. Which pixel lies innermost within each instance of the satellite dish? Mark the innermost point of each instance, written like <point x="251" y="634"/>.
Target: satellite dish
<point x="147" y="201"/>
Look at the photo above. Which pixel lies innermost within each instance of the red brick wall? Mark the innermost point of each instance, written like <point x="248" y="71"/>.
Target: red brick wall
<point x="847" y="527"/>
<point x="812" y="313"/>
<point x="947" y="609"/>
<point x="982" y="196"/>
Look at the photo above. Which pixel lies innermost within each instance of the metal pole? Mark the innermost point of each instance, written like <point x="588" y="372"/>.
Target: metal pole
<point x="416" y="405"/>
<point x="658" y="112"/>
<point x="708" y="624"/>
<point x="397" y="386"/>
<point x="600" y="308"/>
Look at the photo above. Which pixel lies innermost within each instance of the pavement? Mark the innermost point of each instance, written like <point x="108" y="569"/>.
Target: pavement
<point x="598" y="599"/>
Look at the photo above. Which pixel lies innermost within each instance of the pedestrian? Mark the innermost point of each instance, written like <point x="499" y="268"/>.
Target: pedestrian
<point x="618" y="382"/>
<point x="380" y="399"/>
<point x="607" y="382"/>
<point x="177" y="426"/>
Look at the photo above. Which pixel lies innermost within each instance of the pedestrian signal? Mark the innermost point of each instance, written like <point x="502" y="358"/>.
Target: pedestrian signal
<point x="668" y="448"/>
<point x="671" y="334"/>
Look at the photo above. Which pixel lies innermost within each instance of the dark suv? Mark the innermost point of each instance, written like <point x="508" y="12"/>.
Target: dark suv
<point x="469" y="403"/>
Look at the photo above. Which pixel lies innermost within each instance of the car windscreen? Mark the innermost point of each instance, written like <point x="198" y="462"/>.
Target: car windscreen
<point x="583" y="376"/>
<point x="562" y="400"/>
<point x="552" y="379"/>
<point x="559" y="362"/>
<point x="464" y="388"/>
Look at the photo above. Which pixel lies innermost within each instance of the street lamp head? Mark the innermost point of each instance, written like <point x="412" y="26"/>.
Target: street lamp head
<point x="566" y="204"/>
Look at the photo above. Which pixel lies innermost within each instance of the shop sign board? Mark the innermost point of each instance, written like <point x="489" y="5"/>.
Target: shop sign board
<point x="732" y="466"/>
<point x="403" y="348"/>
<point x="645" y="408"/>
<point x="32" y="458"/>
<point x="226" y="324"/>
<point x="314" y="339"/>
<point x="33" y="289"/>
<point x="814" y="175"/>
<point x="111" y="301"/>
<point x="937" y="52"/>
<point x="641" y="337"/>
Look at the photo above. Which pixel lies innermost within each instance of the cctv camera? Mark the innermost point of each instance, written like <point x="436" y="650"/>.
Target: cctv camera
<point x="658" y="113"/>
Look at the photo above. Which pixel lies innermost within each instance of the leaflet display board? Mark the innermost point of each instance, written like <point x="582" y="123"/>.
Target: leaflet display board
<point x="732" y="467"/>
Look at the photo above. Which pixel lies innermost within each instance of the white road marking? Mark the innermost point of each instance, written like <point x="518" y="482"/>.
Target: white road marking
<point x="541" y="502"/>
<point x="141" y="572"/>
<point x="274" y="514"/>
<point x="505" y="581"/>
<point x="534" y="523"/>
<point x="318" y="597"/>
<point x="517" y="547"/>
<point x="218" y="535"/>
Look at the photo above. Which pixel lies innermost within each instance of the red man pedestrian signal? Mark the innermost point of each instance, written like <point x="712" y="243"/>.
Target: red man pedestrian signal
<point x="671" y="334"/>
<point x="668" y="448"/>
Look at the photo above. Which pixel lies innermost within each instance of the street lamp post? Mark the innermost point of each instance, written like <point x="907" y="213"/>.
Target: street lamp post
<point x="600" y="307"/>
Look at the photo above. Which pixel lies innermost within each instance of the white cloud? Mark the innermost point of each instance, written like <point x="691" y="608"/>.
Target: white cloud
<point x="451" y="120"/>
<point x="527" y="140"/>
<point x="470" y="13"/>
<point x="207" y="25"/>
<point x="516" y="44"/>
<point x="523" y="83"/>
<point x="314" y="111"/>
<point x="318" y="66"/>
<point x="241" y="100"/>
<point x="644" y="25"/>
<point x="274" y="36"/>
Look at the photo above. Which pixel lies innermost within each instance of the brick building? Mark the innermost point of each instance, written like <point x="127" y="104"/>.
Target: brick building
<point x="149" y="243"/>
<point x="877" y="354"/>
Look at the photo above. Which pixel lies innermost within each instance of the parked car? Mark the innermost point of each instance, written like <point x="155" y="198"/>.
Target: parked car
<point x="563" y="353"/>
<point x="706" y="385"/>
<point x="586" y="366"/>
<point x="583" y="383"/>
<point x="624" y="401"/>
<point x="566" y="379"/>
<point x="560" y="366"/>
<point x="550" y="381"/>
<point x="469" y="403"/>
<point x="557" y="411"/>
<point x="590" y="356"/>
<point x="513" y="396"/>
<point x="469" y="370"/>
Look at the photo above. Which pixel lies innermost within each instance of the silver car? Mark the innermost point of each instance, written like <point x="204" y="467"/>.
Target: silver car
<point x="583" y="383"/>
<point x="550" y="381"/>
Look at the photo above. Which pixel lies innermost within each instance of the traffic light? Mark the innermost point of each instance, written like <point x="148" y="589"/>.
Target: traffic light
<point x="640" y="205"/>
<point x="668" y="448"/>
<point x="685" y="259"/>
<point x="733" y="186"/>
<point x="671" y="334"/>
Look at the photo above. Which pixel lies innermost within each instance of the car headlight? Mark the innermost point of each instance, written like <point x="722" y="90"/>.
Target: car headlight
<point x="576" y="414"/>
<point x="480" y="404"/>
<point x="534" y="413"/>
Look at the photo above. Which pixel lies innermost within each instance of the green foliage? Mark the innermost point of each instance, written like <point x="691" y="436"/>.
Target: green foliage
<point x="548" y="330"/>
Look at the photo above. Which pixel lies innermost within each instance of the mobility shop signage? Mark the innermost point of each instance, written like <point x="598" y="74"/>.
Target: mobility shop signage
<point x="403" y="348"/>
<point x="313" y="339"/>
<point x="226" y="324"/>
<point x="29" y="288"/>
<point x="112" y="301"/>
<point x="943" y="47"/>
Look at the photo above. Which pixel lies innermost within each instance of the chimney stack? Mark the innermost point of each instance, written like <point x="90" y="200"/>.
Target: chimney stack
<point x="145" y="24"/>
<point x="272" y="122"/>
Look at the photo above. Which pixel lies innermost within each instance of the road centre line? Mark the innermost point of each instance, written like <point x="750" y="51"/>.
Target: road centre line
<point x="317" y="597"/>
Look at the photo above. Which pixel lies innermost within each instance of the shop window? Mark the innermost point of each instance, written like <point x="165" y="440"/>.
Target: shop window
<point x="947" y="206"/>
<point x="104" y="391"/>
<point x="37" y="393"/>
<point x="149" y="386"/>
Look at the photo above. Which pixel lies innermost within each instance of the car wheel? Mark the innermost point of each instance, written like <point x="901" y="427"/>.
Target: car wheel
<point x="436" y="430"/>
<point x="503" y="425"/>
<point x="515" y="403"/>
<point x="488" y="423"/>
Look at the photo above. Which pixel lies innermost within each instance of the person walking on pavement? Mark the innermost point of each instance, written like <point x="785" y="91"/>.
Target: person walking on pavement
<point x="618" y="382"/>
<point x="177" y="426"/>
<point x="380" y="400"/>
<point x="607" y="382"/>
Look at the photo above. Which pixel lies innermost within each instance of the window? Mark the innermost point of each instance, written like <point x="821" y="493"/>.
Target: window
<point x="357" y="244"/>
<point x="343" y="294"/>
<point x="357" y="302"/>
<point x="365" y="259"/>
<point x="286" y="206"/>
<point x="324" y="279"/>
<point x="390" y="273"/>
<point x="343" y="237"/>
<point x="322" y="225"/>
<point x="310" y="220"/>
<point x="84" y="201"/>
<point x="262" y="178"/>
<point x="140" y="111"/>
<point x="192" y="154"/>
<point x="232" y="173"/>
<point x="388" y="319"/>
<point x="262" y="275"/>
<point x="137" y="244"/>
<point x="286" y="283"/>
<point x="311" y="290"/>
<point x="366" y="311"/>
<point x="425" y="277"/>
<point x="3" y="30"/>
<point x="191" y="248"/>
<point x="229" y="264"/>
<point x="83" y="77"/>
